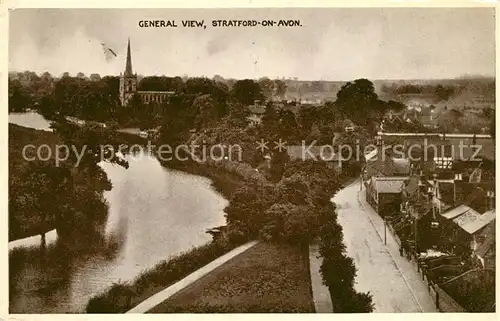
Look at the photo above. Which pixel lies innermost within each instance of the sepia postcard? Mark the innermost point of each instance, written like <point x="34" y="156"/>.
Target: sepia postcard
<point x="250" y="159"/>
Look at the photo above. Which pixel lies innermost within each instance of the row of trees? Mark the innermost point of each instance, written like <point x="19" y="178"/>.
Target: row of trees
<point x="439" y="92"/>
<point x="477" y="86"/>
<point x="297" y="210"/>
<point x="199" y="103"/>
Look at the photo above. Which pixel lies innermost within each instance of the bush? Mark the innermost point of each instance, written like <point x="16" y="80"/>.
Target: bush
<point x="121" y="297"/>
<point x="338" y="270"/>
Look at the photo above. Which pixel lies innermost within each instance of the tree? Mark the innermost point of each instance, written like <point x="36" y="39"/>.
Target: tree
<point x="492" y="127"/>
<point x="294" y="189"/>
<point x="287" y="129"/>
<point x="267" y="87"/>
<point x="206" y="114"/>
<point x="288" y="222"/>
<point x="247" y="206"/>
<point x="270" y="122"/>
<point x="95" y="77"/>
<point x="307" y="117"/>
<point x="19" y="98"/>
<point x="356" y="100"/>
<point x="238" y="115"/>
<point x="47" y="76"/>
<point x="280" y="88"/>
<point x="397" y="106"/>
<point x="443" y="93"/>
<point x="218" y="78"/>
<point x="278" y="162"/>
<point x="247" y="92"/>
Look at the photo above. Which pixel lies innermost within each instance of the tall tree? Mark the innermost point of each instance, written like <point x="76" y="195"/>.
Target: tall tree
<point x="19" y="97"/>
<point x="358" y="101"/>
<point x="267" y="87"/>
<point x="246" y="91"/>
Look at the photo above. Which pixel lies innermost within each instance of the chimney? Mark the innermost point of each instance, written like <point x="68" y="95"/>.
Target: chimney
<point x="458" y="177"/>
<point x="434" y="184"/>
<point x="430" y="195"/>
<point x="490" y="200"/>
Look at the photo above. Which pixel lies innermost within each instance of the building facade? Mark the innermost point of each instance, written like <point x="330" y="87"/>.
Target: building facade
<point x="128" y="87"/>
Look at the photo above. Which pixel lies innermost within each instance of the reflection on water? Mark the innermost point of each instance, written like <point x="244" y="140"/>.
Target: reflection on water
<point x="30" y="119"/>
<point x="154" y="213"/>
<point x="35" y="240"/>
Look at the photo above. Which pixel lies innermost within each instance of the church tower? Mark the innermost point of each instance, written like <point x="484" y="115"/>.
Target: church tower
<point x="128" y="80"/>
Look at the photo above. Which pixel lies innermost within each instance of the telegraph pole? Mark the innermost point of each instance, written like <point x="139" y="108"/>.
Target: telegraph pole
<point x="385" y="231"/>
<point x="416" y="230"/>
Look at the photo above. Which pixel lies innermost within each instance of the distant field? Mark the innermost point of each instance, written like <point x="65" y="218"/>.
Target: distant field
<point x="471" y="92"/>
<point x="266" y="278"/>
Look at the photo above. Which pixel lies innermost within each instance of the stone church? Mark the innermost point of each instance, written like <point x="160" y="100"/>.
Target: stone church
<point x="128" y="86"/>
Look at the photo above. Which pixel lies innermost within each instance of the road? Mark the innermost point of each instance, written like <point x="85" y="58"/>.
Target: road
<point x="395" y="284"/>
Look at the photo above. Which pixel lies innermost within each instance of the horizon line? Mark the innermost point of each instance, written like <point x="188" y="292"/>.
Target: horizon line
<point x="461" y="77"/>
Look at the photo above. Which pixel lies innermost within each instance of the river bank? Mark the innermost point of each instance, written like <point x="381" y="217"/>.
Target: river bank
<point x="154" y="213"/>
<point x="121" y="297"/>
<point x="292" y="211"/>
<point x="44" y="195"/>
<point x="228" y="177"/>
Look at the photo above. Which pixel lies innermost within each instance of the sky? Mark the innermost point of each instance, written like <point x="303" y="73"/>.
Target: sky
<point x="332" y="43"/>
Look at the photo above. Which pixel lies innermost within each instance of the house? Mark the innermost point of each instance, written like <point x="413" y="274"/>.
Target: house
<point x="479" y="196"/>
<point x="384" y="194"/>
<point x="256" y="113"/>
<point x="378" y="164"/>
<point x="429" y="117"/>
<point x="465" y="230"/>
<point x="484" y="246"/>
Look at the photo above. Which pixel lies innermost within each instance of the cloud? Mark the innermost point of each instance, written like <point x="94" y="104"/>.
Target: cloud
<point x="335" y="44"/>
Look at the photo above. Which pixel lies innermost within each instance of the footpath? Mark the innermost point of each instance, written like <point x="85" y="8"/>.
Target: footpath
<point x="408" y="269"/>
<point x="161" y="296"/>
<point x="321" y="294"/>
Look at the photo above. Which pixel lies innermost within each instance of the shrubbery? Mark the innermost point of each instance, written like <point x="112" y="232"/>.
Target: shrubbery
<point x="298" y="210"/>
<point x="124" y="296"/>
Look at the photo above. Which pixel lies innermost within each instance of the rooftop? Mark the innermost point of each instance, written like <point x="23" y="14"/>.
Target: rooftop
<point x="471" y="221"/>
<point x="457" y="211"/>
<point x="155" y="92"/>
<point x="489" y="242"/>
<point x="389" y="185"/>
<point x="257" y="109"/>
<point x="387" y="166"/>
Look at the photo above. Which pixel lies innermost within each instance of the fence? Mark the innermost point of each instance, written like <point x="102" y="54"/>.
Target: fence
<point x="393" y="232"/>
<point x="443" y="301"/>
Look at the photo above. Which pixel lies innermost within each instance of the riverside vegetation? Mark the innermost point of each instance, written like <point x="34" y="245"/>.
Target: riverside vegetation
<point x="287" y="201"/>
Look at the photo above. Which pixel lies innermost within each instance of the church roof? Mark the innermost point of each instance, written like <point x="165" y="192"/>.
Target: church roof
<point x="128" y="66"/>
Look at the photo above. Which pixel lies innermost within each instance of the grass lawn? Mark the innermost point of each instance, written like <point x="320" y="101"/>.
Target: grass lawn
<point x="265" y="278"/>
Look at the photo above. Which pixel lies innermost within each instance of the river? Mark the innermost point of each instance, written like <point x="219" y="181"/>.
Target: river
<point x="157" y="212"/>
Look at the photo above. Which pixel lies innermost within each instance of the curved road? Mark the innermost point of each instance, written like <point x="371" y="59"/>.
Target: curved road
<point x="395" y="284"/>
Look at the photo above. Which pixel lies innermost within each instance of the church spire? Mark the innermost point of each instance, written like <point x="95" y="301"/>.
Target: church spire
<point x="128" y="66"/>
